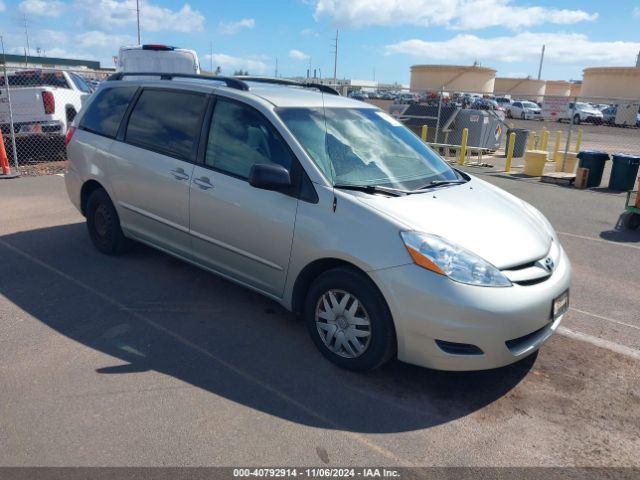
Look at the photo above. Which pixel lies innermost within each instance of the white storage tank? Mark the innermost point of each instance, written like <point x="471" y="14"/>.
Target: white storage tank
<point x="617" y="82"/>
<point x="453" y="78"/>
<point x="558" y="88"/>
<point x="523" y="88"/>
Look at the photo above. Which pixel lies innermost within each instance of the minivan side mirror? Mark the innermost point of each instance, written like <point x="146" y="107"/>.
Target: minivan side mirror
<point x="269" y="176"/>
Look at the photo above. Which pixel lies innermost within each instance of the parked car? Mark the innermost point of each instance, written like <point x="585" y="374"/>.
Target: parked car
<point x="504" y="102"/>
<point x="157" y="58"/>
<point x="524" y="110"/>
<point x="328" y="206"/>
<point x="491" y="105"/>
<point x="43" y="103"/>
<point x="581" y="112"/>
<point x="609" y="115"/>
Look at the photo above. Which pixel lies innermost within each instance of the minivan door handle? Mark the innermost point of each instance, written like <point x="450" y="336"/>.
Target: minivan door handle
<point x="180" y="174"/>
<point x="203" y="182"/>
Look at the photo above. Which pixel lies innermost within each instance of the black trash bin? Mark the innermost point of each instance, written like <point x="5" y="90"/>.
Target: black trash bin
<point x="520" y="146"/>
<point x="624" y="171"/>
<point x="594" y="161"/>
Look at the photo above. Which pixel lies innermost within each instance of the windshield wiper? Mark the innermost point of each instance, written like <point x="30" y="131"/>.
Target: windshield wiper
<point x="438" y="183"/>
<point x="371" y="189"/>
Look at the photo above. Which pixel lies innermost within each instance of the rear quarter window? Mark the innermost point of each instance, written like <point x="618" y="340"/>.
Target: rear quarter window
<point x="167" y="122"/>
<point x="106" y="111"/>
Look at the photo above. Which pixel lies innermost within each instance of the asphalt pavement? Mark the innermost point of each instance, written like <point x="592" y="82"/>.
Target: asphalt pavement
<point x="143" y="360"/>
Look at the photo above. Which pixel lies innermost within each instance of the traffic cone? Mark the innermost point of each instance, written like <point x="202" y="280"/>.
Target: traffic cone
<point x="4" y="161"/>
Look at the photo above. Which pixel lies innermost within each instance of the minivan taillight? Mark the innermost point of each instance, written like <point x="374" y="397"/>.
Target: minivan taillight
<point x="49" y="103"/>
<point x="69" y="135"/>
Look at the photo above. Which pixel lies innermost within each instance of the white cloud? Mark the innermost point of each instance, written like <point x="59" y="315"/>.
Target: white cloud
<point x="455" y="14"/>
<point x="309" y="32"/>
<point x="41" y="7"/>
<point x="298" y="55"/>
<point x="107" y="14"/>
<point x="567" y="48"/>
<point x="229" y="64"/>
<point x="232" y="28"/>
<point x="636" y="12"/>
<point x="3" y="7"/>
<point x="96" y="38"/>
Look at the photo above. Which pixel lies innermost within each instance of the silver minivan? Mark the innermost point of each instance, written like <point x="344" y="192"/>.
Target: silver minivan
<point x="328" y="206"/>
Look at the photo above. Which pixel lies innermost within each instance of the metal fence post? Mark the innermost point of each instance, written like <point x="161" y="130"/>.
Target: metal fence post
<point x="568" y="144"/>
<point x="435" y="139"/>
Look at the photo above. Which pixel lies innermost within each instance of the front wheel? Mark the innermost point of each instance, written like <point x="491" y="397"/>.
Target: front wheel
<point x="103" y="224"/>
<point x="576" y="120"/>
<point x="522" y="116"/>
<point x="349" y="320"/>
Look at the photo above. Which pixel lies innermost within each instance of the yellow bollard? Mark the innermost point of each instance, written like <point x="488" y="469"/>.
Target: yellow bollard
<point x="423" y="133"/>
<point x="578" y="140"/>
<point x="556" y="147"/>
<point x="544" y="139"/>
<point x="463" y="146"/>
<point x="531" y="144"/>
<point x="512" y="143"/>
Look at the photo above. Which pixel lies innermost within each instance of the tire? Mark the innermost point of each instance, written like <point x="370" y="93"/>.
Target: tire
<point x="633" y="221"/>
<point x="522" y="116"/>
<point x="576" y="119"/>
<point x="361" y="351"/>
<point x="509" y="114"/>
<point x="103" y="225"/>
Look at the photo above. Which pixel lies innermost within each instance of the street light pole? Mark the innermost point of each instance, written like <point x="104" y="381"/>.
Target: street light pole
<point x="138" y="19"/>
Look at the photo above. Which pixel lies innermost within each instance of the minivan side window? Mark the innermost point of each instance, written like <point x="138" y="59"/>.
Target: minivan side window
<point x="240" y="137"/>
<point x="106" y="111"/>
<point x="167" y="122"/>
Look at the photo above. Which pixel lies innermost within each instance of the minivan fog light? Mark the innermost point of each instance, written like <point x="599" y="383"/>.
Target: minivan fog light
<point x="445" y="258"/>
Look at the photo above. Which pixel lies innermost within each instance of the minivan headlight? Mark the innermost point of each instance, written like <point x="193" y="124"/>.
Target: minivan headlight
<point x="445" y="258"/>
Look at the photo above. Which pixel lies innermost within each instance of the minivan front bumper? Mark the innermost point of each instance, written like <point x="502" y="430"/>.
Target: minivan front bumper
<point x="505" y="324"/>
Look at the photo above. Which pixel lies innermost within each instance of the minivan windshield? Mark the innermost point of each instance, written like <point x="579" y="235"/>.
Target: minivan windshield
<point x="365" y="147"/>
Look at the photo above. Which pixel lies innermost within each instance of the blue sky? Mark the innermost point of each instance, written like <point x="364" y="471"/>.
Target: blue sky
<point x="377" y="37"/>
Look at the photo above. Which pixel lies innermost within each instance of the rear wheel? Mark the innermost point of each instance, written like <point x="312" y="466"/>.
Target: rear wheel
<point x="576" y="119"/>
<point x="349" y="321"/>
<point x="103" y="224"/>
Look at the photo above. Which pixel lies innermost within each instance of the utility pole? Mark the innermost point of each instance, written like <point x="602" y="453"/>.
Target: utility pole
<point x="138" y="19"/>
<point x="541" y="60"/>
<point x="638" y="60"/>
<point x="335" y="61"/>
<point x="211" y="56"/>
<point x="27" y="52"/>
<point x="276" y="72"/>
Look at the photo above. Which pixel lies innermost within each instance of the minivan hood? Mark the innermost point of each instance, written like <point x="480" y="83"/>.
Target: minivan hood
<point x="477" y="216"/>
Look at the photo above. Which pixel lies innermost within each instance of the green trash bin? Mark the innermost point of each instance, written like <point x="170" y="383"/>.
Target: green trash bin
<point x="623" y="172"/>
<point x="594" y="161"/>
<point x="520" y="145"/>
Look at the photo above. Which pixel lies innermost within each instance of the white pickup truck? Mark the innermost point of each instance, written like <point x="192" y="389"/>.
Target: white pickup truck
<point x="43" y="102"/>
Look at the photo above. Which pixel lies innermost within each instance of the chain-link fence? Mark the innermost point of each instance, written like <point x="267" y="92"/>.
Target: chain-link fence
<point x="561" y="126"/>
<point x="36" y="108"/>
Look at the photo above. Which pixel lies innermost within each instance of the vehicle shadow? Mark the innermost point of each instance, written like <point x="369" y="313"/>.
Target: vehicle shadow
<point x="620" y="232"/>
<point x="156" y="313"/>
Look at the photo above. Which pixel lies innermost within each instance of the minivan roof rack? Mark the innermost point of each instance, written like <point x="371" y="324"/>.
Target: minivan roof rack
<point x="284" y="81"/>
<point x="239" y="83"/>
<point x="228" y="81"/>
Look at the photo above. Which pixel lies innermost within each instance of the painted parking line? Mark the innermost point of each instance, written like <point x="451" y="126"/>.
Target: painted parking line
<point x="602" y="317"/>
<point x="600" y="342"/>
<point x="599" y="240"/>
<point x="229" y="366"/>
